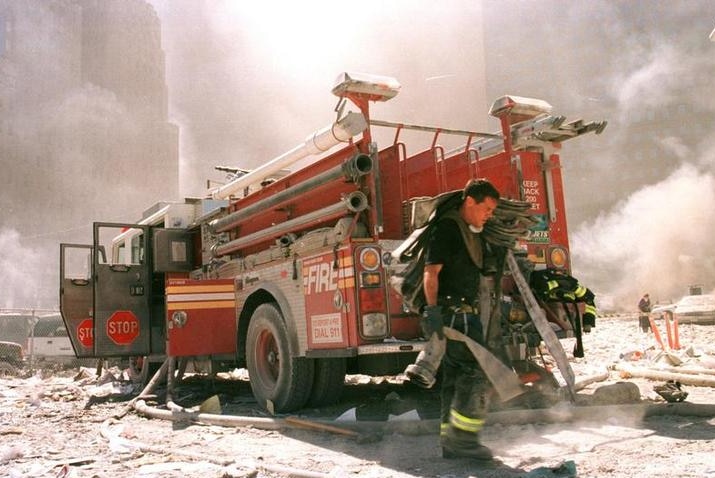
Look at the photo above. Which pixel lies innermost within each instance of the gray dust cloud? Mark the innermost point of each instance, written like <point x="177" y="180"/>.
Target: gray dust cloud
<point x="119" y="104"/>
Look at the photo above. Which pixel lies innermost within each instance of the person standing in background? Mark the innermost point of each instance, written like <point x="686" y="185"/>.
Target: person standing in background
<point x="644" y="308"/>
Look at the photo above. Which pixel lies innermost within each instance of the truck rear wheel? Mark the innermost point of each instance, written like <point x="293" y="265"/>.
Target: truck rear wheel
<point x="138" y="369"/>
<point x="328" y="383"/>
<point x="280" y="383"/>
<point x="141" y="370"/>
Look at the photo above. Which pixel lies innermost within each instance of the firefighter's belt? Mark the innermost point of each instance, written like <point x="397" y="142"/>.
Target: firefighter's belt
<point x="463" y="309"/>
<point x="459" y="305"/>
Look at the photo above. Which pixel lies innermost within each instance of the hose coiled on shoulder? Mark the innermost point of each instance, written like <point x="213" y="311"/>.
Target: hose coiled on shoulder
<point x="511" y="221"/>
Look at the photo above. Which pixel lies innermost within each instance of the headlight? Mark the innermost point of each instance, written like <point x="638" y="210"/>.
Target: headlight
<point x="369" y="258"/>
<point x="374" y="325"/>
<point x="558" y="257"/>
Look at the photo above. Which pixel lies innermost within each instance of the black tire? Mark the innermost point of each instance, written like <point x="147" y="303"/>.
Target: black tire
<point x="280" y="383"/>
<point x="140" y="370"/>
<point x="328" y="382"/>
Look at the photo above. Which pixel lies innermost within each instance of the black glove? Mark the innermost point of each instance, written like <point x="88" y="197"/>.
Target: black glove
<point x="431" y="321"/>
<point x="589" y="320"/>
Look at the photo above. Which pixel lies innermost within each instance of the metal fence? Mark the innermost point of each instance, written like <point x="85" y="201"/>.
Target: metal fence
<point x="35" y="339"/>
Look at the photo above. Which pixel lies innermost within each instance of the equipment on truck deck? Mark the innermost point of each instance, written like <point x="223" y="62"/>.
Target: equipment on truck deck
<point x="288" y="273"/>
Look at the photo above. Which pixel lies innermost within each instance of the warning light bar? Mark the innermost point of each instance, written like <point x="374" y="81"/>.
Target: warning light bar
<point x="527" y="108"/>
<point x="378" y="88"/>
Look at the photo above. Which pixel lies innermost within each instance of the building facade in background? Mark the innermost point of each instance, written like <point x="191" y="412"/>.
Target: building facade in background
<point x="84" y="129"/>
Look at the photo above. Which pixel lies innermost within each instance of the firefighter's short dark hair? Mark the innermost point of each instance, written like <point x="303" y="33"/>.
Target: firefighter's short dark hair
<point x="479" y="189"/>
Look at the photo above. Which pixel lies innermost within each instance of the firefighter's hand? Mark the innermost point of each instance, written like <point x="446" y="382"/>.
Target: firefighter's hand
<point x="589" y="321"/>
<point x="432" y="321"/>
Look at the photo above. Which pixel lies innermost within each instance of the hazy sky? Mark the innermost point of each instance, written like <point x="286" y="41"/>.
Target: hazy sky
<point x="247" y="82"/>
<point x="250" y="80"/>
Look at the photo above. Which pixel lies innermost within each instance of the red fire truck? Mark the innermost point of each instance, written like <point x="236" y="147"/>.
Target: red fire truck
<point x="287" y="274"/>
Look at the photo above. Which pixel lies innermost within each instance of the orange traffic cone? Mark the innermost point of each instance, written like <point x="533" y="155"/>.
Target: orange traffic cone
<point x="656" y="333"/>
<point x="668" y="331"/>
<point x="676" y="335"/>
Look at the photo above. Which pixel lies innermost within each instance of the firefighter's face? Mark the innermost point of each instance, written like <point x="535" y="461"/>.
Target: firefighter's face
<point x="477" y="213"/>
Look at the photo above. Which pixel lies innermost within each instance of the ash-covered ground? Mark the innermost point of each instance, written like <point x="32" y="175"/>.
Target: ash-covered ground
<point x="72" y="424"/>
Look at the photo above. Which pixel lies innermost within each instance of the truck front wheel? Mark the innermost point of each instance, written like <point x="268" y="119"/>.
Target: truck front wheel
<point x="328" y="383"/>
<point x="280" y="382"/>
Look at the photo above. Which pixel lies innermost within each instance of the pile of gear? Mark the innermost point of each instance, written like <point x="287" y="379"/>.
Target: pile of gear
<point x="671" y="391"/>
<point x="554" y="287"/>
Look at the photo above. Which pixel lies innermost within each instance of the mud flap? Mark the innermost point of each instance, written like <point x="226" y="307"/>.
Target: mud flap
<point x="553" y="345"/>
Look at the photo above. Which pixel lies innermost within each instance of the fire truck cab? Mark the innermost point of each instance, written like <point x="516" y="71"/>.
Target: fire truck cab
<point x="287" y="275"/>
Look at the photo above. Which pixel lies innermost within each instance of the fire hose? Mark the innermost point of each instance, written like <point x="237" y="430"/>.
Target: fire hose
<point x="507" y="417"/>
<point x="510" y="222"/>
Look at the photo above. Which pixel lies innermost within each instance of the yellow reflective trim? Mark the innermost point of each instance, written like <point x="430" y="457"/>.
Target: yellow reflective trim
<point x="580" y="291"/>
<point x="461" y="422"/>
<point x="224" y="304"/>
<point x="443" y="427"/>
<point x="346" y="283"/>
<point x="197" y="289"/>
<point x="590" y="308"/>
<point x="552" y="284"/>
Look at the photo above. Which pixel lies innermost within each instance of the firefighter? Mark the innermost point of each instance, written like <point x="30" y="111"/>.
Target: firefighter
<point x="644" y="309"/>
<point x="453" y="265"/>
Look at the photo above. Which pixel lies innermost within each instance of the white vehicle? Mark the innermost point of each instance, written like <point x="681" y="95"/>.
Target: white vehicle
<point x="696" y="309"/>
<point x="48" y="341"/>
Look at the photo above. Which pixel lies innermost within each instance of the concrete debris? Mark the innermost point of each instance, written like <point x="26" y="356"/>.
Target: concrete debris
<point x="358" y="379"/>
<point x="668" y="358"/>
<point x="632" y="356"/>
<point x="235" y="374"/>
<point x="692" y="352"/>
<point x="9" y="453"/>
<point x="617" y="393"/>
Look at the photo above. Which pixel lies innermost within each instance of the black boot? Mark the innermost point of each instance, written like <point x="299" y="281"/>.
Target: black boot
<point x="461" y="444"/>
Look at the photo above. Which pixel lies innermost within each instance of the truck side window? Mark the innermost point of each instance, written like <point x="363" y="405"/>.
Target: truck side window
<point x="137" y="249"/>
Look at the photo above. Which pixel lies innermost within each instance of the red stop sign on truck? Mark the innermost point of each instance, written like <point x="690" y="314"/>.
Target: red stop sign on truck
<point x="123" y="327"/>
<point x="85" y="333"/>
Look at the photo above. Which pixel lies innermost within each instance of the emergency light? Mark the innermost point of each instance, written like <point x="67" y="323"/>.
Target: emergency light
<point x="378" y="88"/>
<point x="518" y="105"/>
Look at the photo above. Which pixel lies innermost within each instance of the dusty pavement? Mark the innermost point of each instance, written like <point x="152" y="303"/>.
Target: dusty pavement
<point x="64" y="425"/>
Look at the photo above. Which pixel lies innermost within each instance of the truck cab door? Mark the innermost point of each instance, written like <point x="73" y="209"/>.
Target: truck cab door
<point x="122" y="292"/>
<point x="76" y="295"/>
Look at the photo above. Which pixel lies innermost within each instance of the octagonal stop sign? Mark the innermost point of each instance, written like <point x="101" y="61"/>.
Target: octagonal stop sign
<point x="123" y="327"/>
<point x="85" y="333"/>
